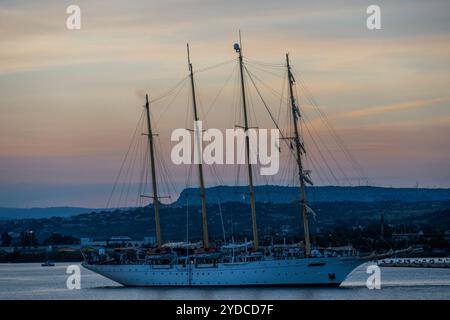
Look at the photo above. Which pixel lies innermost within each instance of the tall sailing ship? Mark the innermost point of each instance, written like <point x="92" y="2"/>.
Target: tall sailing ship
<point x="232" y="263"/>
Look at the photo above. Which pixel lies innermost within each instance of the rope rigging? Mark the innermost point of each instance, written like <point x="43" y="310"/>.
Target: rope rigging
<point x="321" y="158"/>
<point x="318" y="142"/>
<point x="338" y="140"/>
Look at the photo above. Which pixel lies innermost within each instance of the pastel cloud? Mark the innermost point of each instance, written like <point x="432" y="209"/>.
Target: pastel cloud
<point x="396" y="107"/>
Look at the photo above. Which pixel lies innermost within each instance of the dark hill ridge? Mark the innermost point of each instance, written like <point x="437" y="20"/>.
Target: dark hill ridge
<point x="282" y="219"/>
<point x="282" y="194"/>
<point x="263" y="194"/>
<point x="36" y="213"/>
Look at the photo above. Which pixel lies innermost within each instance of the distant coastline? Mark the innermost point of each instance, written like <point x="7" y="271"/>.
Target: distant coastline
<point x="284" y="194"/>
<point x="264" y="193"/>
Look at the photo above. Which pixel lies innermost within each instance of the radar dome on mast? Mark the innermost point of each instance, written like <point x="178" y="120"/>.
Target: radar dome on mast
<point x="237" y="47"/>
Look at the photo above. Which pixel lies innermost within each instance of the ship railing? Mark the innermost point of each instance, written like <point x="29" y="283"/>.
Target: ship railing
<point x="326" y="252"/>
<point x="444" y="262"/>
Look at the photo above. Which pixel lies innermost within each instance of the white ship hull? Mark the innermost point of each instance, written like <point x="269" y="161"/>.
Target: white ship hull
<point x="301" y="272"/>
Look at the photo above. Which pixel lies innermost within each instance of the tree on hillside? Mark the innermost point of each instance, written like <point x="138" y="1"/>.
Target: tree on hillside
<point x="6" y="239"/>
<point x="57" y="238"/>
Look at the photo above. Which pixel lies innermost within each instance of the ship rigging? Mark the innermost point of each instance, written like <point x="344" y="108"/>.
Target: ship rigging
<point x="230" y="263"/>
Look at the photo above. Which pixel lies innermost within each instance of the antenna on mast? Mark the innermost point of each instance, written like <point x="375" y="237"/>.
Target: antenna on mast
<point x="188" y="56"/>
<point x="240" y="39"/>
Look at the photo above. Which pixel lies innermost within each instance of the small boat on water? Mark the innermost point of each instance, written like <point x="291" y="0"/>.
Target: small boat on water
<point x="47" y="263"/>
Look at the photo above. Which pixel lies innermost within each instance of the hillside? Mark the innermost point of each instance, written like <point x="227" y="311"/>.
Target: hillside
<point x="263" y="194"/>
<point x="282" y="194"/>
<point x="36" y="213"/>
<point x="272" y="219"/>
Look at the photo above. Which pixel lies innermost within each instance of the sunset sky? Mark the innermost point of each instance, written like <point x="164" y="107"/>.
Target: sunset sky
<point x="70" y="100"/>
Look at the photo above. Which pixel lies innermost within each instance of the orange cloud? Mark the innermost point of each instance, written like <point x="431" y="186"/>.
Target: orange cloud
<point x="396" y="107"/>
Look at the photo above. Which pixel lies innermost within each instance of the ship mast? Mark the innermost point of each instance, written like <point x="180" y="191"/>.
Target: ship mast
<point x="152" y="166"/>
<point x="298" y="148"/>
<point x="198" y="141"/>
<point x="238" y="48"/>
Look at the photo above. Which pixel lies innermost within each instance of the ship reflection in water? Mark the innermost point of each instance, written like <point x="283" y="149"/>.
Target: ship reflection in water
<point x="31" y="281"/>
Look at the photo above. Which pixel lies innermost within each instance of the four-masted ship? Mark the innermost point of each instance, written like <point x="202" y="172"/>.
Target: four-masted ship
<point x="230" y="264"/>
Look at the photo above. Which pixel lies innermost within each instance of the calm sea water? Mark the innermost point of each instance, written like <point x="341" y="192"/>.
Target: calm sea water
<point x="31" y="281"/>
